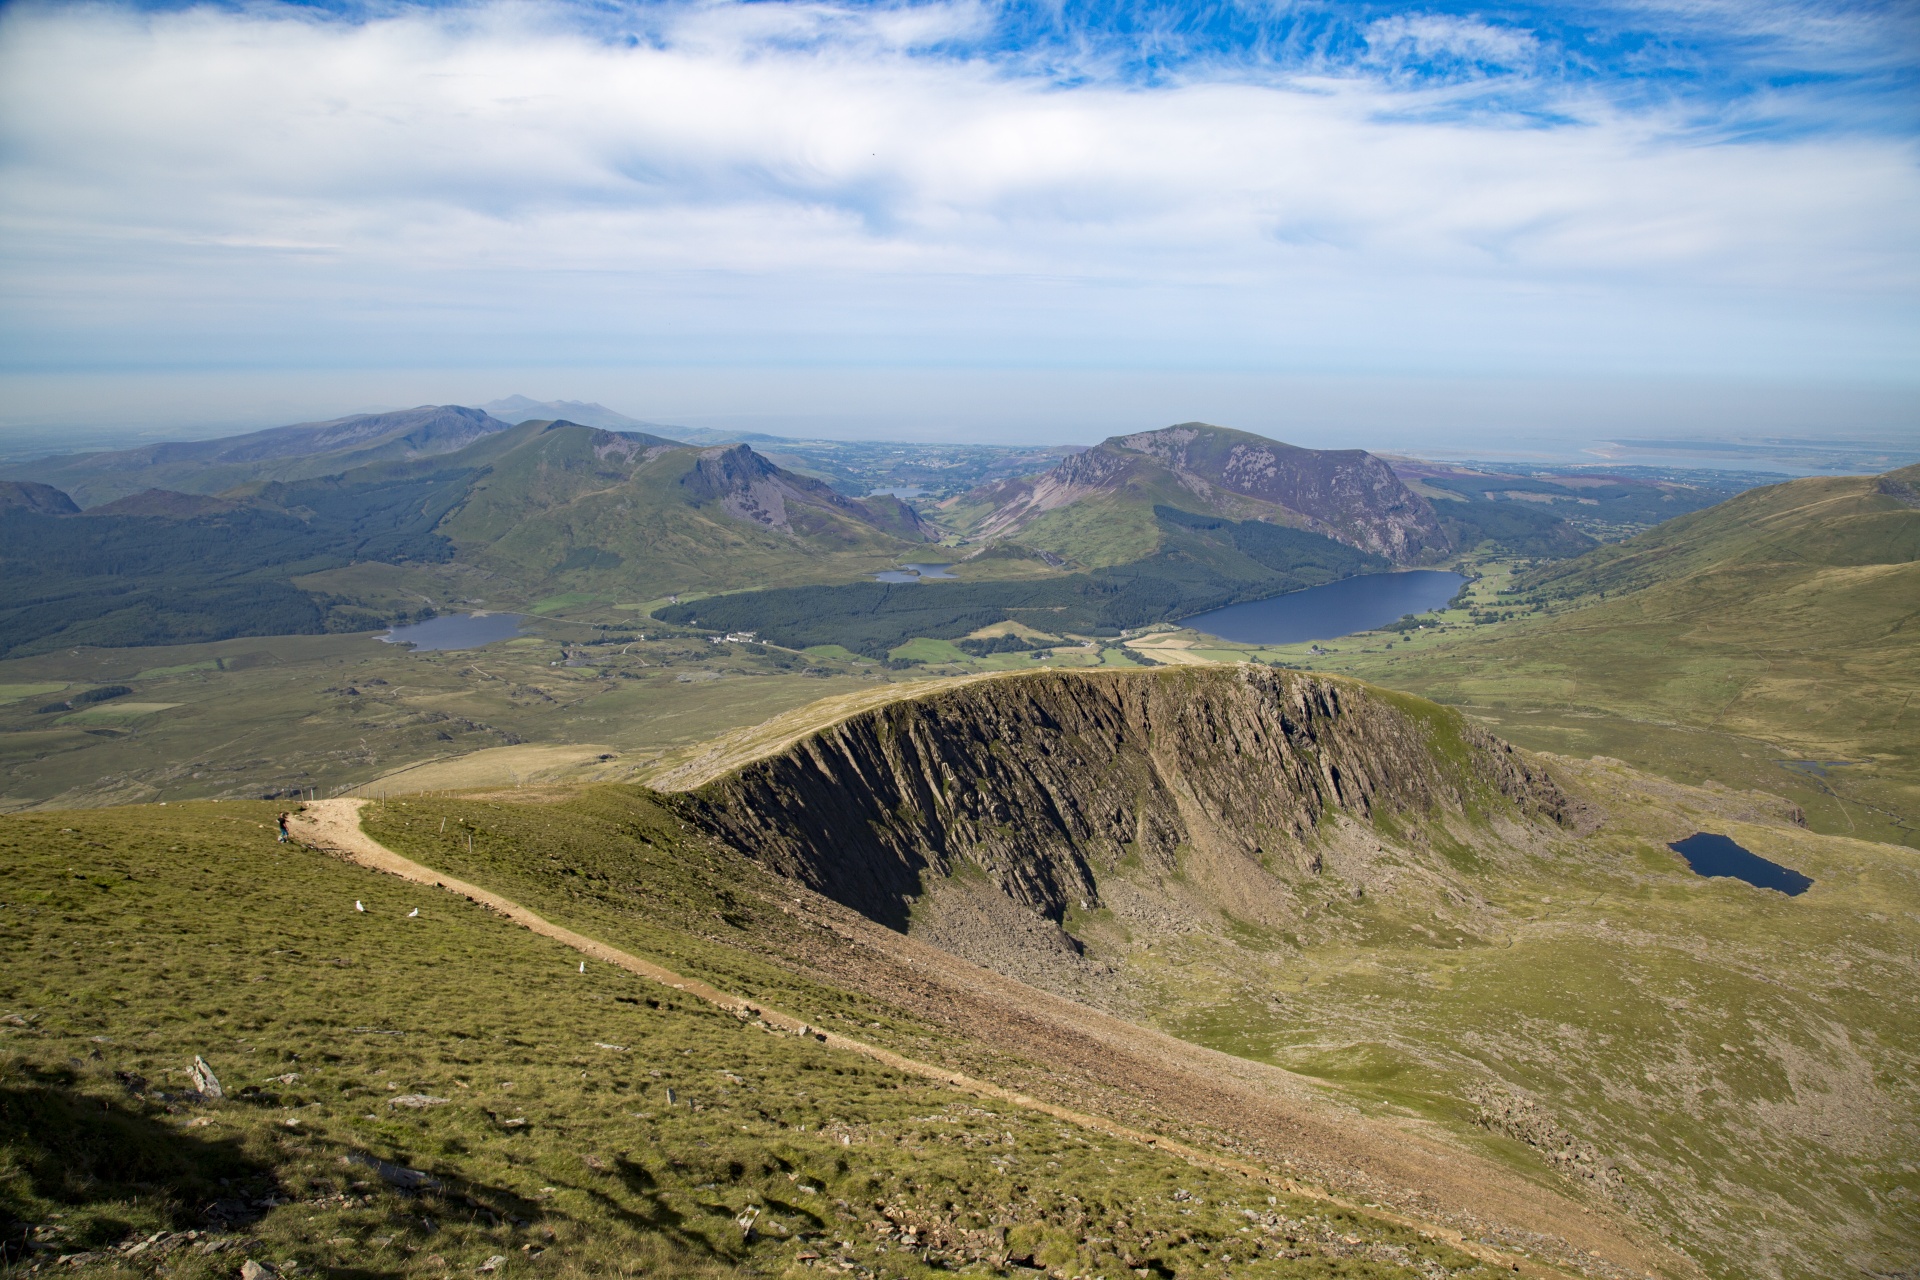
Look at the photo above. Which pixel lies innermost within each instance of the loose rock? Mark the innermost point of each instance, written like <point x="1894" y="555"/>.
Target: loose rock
<point x="205" y="1083"/>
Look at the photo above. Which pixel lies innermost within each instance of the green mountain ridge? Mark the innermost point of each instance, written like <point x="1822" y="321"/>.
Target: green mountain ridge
<point x="572" y="508"/>
<point x="539" y="508"/>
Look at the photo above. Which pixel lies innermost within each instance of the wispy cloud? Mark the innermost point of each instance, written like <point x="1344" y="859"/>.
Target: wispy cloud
<point x="1284" y="182"/>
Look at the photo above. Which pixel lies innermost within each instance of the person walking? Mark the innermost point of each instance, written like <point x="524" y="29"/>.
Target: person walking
<point x="285" y="835"/>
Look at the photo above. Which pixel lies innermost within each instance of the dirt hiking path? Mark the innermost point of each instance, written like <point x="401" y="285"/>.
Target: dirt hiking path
<point x="334" y="826"/>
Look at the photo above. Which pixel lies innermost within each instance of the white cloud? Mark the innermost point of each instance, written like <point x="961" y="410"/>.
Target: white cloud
<point x="219" y="163"/>
<point x="1445" y="38"/>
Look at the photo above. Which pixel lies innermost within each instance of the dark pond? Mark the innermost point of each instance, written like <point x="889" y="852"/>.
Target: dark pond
<point x="1337" y="609"/>
<point x="456" y="631"/>
<point x="1711" y="855"/>
<point x="915" y="573"/>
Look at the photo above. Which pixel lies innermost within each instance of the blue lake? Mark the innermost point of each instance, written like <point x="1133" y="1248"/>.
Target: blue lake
<point x="1712" y="855"/>
<point x="1336" y="609"/>
<point x="916" y="573"/>
<point x="456" y="631"/>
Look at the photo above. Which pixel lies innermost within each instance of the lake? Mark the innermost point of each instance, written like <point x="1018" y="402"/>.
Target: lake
<point x="1336" y="609"/>
<point x="916" y="573"/>
<point x="456" y="631"/>
<point x="1712" y="855"/>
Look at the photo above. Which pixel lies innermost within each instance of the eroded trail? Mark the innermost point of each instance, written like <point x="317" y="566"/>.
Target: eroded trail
<point x="1260" y="1110"/>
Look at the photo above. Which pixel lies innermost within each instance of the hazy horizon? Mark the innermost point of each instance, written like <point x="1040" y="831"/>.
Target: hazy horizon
<point x="1789" y="430"/>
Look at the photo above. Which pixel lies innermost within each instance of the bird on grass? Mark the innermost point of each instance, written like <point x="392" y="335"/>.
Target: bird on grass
<point x="357" y="906"/>
<point x="583" y="966"/>
<point x="411" y="914"/>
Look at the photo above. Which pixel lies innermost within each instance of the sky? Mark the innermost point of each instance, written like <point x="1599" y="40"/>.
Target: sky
<point x="1529" y="226"/>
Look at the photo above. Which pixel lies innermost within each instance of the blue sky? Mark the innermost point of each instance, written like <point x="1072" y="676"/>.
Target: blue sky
<point x="874" y="215"/>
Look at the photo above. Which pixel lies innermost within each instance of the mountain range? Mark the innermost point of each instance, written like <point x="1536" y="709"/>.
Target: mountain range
<point x="541" y="507"/>
<point x="1212" y="970"/>
<point x="297" y="452"/>
<point x="359" y="510"/>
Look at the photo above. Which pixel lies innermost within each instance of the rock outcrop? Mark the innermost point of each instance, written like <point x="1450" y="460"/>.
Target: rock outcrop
<point x="1043" y="782"/>
<point x="748" y="487"/>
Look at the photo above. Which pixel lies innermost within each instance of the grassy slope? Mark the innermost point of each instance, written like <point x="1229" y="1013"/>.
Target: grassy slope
<point x="1745" y="1060"/>
<point x="543" y="503"/>
<point x="1742" y="1059"/>
<point x="1780" y="623"/>
<point x="253" y="715"/>
<point x="329" y="711"/>
<point x="134" y="939"/>
<point x="1096" y="533"/>
<point x="1121" y="527"/>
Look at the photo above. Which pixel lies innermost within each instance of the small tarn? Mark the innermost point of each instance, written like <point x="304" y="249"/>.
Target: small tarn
<point x="1712" y="855"/>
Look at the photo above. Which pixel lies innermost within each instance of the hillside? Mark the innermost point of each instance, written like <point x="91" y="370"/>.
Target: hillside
<point x="1319" y="940"/>
<point x="1781" y="627"/>
<point x="1096" y="508"/>
<point x="280" y="453"/>
<point x="1199" y="562"/>
<point x="1141" y="529"/>
<point x="573" y="508"/>
<point x="399" y="1081"/>
<point x="536" y="509"/>
<point x="1365" y="887"/>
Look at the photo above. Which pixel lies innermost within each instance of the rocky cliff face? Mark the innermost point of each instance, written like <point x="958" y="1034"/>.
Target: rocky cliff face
<point x="1347" y="494"/>
<point x="1043" y="783"/>
<point x="748" y="487"/>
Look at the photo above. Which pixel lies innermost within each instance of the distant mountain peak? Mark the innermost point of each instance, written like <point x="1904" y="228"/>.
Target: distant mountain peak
<point x="750" y="487"/>
<point x="1344" y="494"/>
<point x="277" y="453"/>
<point x="586" y="413"/>
<point x="40" y="499"/>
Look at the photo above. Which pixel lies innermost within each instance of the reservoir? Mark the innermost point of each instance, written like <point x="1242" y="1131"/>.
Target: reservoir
<point x="1711" y="855"/>
<point x="915" y="573"/>
<point x="456" y="631"/>
<point x="1336" y="609"/>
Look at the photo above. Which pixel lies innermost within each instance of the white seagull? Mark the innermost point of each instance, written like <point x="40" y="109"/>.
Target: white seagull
<point x="411" y="914"/>
<point x="357" y="906"/>
<point x="583" y="966"/>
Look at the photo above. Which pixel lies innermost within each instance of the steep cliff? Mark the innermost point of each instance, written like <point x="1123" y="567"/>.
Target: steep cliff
<point x="1045" y="783"/>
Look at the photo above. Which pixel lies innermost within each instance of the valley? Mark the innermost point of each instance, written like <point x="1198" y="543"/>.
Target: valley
<point x="1000" y="923"/>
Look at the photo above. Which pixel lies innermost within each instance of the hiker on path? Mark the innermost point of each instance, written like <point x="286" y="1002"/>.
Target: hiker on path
<point x="285" y="835"/>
